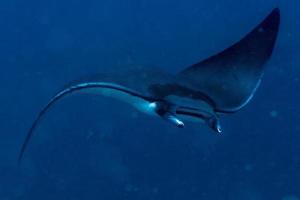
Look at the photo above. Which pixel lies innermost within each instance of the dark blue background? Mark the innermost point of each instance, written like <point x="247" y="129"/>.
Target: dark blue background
<point x="97" y="148"/>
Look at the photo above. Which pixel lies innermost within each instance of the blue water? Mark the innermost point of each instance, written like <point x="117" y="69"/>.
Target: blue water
<point x="97" y="148"/>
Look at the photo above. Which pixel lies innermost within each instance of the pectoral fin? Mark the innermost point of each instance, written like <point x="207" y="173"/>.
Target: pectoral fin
<point x="231" y="77"/>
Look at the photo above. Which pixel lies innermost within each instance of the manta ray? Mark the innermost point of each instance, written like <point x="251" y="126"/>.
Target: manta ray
<point x="221" y="84"/>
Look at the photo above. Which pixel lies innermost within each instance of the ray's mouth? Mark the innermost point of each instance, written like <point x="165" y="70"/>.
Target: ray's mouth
<point x="211" y="120"/>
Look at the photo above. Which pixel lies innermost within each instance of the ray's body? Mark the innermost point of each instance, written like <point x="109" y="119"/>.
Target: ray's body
<point x="222" y="83"/>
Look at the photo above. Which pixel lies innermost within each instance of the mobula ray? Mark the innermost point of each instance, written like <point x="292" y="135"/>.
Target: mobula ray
<point x="222" y="83"/>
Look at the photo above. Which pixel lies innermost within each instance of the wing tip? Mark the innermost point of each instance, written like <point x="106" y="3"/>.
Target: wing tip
<point x="273" y="19"/>
<point x="276" y="11"/>
<point x="254" y="49"/>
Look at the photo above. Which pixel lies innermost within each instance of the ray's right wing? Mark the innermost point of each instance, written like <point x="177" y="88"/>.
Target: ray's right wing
<point x="231" y="77"/>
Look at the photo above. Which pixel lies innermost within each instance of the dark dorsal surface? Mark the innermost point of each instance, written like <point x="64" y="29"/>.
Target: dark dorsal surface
<point x="224" y="82"/>
<point x="139" y="79"/>
<point x="231" y="77"/>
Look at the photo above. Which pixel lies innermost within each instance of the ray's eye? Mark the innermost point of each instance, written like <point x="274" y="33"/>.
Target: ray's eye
<point x="163" y="107"/>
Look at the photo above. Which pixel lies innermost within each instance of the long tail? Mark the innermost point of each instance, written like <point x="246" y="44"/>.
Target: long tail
<point x="63" y="93"/>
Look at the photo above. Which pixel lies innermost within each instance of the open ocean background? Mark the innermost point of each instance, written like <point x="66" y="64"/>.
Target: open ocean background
<point x="97" y="148"/>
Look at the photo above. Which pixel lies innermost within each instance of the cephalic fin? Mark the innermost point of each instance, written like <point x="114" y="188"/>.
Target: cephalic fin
<point x="173" y="119"/>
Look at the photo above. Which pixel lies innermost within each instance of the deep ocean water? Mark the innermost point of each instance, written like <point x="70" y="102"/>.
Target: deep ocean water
<point x="97" y="148"/>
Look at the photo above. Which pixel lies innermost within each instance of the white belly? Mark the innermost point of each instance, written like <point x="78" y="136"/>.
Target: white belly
<point x="137" y="102"/>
